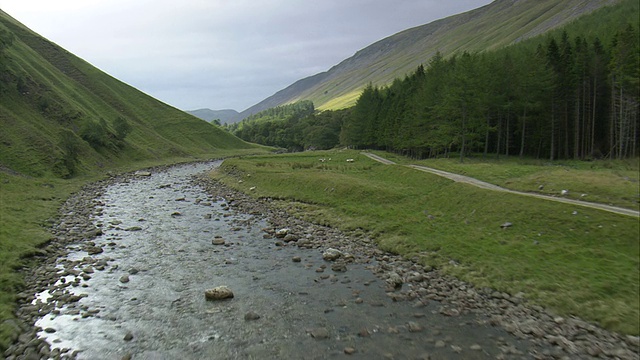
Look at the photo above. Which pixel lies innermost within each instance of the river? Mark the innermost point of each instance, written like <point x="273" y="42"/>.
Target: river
<point x="142" y="297"/>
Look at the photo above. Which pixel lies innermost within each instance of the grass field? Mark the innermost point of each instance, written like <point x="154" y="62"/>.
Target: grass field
<point x="602" y="181"/>
<point x="583" y="263"/>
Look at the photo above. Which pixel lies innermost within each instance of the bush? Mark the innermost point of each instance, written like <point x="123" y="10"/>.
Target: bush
<point x="122" y="128"/>
<point x="65" y="166"/>
<point x="95" y="133"/>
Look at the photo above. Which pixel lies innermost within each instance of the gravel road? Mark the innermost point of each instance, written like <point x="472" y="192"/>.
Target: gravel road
<point x="488" y="186"/>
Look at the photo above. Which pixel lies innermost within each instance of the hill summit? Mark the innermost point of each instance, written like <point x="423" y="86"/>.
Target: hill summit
<point x="228" y="116"/>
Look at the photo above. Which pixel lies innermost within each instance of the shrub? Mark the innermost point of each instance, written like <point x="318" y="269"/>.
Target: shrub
<point x="65" y="166"/>
<point x="122" y="128"/>
<point x="95" y="133"/>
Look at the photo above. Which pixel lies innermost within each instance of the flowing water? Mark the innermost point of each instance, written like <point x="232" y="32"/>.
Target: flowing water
<point x="157" y="234"/>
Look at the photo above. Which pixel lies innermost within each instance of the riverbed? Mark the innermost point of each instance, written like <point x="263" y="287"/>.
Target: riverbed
<point x="137" y="289"/>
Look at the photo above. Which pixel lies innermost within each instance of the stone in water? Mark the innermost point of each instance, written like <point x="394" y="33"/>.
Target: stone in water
<point x="218" y="293"/>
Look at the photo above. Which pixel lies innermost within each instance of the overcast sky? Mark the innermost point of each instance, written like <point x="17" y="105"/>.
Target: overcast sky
<point x="221" y="54"/>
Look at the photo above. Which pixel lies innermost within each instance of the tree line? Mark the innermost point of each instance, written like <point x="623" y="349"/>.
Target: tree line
<point x="559" y="97"/>
<point x="294" y="127"/>
<point x="566" y="98"/>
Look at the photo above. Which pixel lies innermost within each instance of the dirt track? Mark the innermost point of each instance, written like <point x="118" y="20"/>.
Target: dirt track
<point x="488" y="186"/>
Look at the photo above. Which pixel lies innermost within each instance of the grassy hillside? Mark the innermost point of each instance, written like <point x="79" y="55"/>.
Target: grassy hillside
<point x="574" y="261"/>
<point x="499" y="24"/>
<point x="64" y="123"/>
<point x="53" y="102"/>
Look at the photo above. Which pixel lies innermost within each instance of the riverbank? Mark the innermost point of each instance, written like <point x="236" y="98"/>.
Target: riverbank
<point x="425" y="291"/>
<point x="28" y="209"/>
<point x="574" y="260"/>
<point x="565" y="336"/>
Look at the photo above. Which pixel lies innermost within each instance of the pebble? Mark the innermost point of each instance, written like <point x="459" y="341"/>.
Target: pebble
<point x="319" y="333"/>
<point x="413" y="326"/>
<point x="339" y="267"/>
<point x="250" y="316"/>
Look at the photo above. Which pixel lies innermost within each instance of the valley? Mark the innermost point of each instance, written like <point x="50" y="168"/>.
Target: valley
<point x="394" y="206"/>
<point x="136" y="252"/>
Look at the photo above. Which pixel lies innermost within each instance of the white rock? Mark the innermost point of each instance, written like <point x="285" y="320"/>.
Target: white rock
<point x="331" y="254"/>
<point x="281" y="233"/>
<point x="506" y="225"/>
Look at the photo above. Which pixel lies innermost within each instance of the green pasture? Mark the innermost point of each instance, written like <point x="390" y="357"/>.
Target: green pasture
<point x="573" y="261"/>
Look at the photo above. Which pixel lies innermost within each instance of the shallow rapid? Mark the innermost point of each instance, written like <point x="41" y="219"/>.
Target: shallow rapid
<point x="142" y="295"/>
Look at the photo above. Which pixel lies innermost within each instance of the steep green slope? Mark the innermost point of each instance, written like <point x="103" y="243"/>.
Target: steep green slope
<point x="501" y="23"/>
<point x="61" y="116"/>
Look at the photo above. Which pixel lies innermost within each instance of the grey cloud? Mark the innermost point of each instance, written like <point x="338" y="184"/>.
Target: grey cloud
<point x="222" y="53"/>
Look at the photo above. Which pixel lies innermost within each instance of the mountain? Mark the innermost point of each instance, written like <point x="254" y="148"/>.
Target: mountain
<point x="60" y="116"/>
<point x="499" y="24"/>
<point x="228" y="116"/>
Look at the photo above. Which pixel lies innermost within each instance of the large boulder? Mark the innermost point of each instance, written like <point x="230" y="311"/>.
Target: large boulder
<point x="218" y="293"/>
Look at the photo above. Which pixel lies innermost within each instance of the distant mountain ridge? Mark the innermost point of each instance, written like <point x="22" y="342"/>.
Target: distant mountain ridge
<point x="228" y="116"/>
<point x="501" y="23"/>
